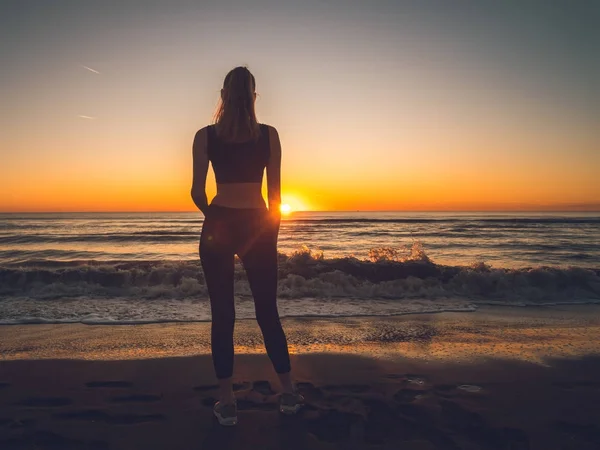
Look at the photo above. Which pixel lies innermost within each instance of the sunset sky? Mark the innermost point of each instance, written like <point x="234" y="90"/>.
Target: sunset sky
<point x="380" y="105"/>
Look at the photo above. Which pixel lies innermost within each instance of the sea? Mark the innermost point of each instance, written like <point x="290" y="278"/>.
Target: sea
<point x="128" y="268"/>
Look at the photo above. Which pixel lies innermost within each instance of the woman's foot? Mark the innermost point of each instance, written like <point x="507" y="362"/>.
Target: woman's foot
<point x="226" y="413"/>
<point x="290" y="403"/>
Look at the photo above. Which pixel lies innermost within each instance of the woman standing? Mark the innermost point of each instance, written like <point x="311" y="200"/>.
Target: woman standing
<point x="237" y="221"/>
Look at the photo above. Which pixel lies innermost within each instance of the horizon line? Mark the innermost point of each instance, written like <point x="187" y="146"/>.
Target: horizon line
<point x="327" y="211"/>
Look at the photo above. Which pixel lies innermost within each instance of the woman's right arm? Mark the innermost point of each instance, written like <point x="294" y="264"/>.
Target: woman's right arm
<point x="200" y="170"/>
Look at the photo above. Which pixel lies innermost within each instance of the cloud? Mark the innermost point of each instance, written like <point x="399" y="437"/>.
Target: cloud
<point x="90" y="69"/>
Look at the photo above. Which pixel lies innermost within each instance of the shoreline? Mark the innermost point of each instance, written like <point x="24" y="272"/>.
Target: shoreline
<point x="476" y="307"/>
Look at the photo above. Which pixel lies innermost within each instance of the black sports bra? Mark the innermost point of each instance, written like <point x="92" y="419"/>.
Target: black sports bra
<point x="243" y="162"/>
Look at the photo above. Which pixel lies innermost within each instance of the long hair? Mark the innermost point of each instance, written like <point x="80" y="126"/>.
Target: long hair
<point x="235" y="116"/>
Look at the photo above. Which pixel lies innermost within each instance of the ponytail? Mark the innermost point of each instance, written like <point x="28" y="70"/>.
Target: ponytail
<point x="235" y="117"/>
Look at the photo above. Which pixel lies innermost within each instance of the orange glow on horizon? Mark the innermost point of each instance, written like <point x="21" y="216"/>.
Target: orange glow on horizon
<point x="420" y="176"/>
<point x="96" y="191"/>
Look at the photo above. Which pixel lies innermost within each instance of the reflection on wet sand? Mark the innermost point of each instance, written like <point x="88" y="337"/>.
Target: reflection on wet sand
<point x="530" y="334"/>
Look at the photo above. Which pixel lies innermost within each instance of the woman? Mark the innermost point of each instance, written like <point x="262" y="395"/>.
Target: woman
<point x="238" y="222"/>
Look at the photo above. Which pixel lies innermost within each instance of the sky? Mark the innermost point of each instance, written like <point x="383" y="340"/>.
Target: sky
<point x="380" y="105"/>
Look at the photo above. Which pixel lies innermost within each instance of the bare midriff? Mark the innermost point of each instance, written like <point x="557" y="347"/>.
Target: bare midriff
<point x="239" y="195"/>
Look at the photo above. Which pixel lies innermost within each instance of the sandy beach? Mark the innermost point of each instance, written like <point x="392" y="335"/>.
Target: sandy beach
<point x="499" y="378"/>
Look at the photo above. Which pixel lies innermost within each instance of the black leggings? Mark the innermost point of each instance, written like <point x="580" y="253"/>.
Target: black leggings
<point x="253" y="236"/>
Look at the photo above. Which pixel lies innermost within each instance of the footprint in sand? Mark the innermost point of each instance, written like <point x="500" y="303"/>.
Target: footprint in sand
<point x="207" y="387"/>
<point x="109" y="384"/>
<point x="348" y="388"/>
<point x="241" y="386"/>
<point x="139" y="398"/>
<point x="417" y="379"/>
<point x="102" y="416"/>
<point x="263" y="387"/>
<point x="209" y="401"/>
<point x="309" y="391"/>
<point x="248" y="405"/>
<point x="469" y="388"/>
<point x="242" y="404"/>
<point x="408" y="395"/>
<point x="45" y="402"/>
<point x="408" y="378"/>
<point x="449" y="390"/>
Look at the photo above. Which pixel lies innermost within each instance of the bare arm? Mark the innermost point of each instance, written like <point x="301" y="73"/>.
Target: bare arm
<point x="200" y="170"/>
<point x="274" y="174"/>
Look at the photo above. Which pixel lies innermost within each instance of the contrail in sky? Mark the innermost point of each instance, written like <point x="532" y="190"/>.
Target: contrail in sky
<point x="90" y="69"/>
<point x="85" y="117"/>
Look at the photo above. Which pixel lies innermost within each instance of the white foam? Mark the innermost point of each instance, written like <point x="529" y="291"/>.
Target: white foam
<point x="309" y="286"/>
<point x="121" y="311"/>
<point x="469" y="388"/>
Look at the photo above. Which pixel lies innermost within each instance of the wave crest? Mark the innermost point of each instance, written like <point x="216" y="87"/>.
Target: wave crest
<point x="388" y="274"/>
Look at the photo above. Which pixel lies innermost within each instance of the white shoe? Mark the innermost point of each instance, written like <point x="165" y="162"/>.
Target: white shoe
<point x="227" y="414"/>
<point x="290" y="403"/>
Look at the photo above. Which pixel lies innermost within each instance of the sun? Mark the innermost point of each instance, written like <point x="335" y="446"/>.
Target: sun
<point x="291" y="204"/>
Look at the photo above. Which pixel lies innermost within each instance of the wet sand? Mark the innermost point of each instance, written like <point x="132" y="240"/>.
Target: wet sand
<point x="500" y="378"/>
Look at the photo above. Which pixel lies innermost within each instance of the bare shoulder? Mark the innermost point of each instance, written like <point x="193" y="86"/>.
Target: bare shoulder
<point x="273" y="134"/>
<point x="202" y="132"/>
<point x="200" y="139"/>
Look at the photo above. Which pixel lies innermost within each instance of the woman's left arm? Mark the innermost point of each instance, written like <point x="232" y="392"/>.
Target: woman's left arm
<point x="200" y="170"/>
<point x="274" y="176"/>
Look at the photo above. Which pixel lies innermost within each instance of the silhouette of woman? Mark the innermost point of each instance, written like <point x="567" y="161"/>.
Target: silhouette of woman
<point x="237" y="221"/>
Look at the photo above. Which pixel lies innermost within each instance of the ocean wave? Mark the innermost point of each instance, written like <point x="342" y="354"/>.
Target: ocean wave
<point x="389" y="274"/>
